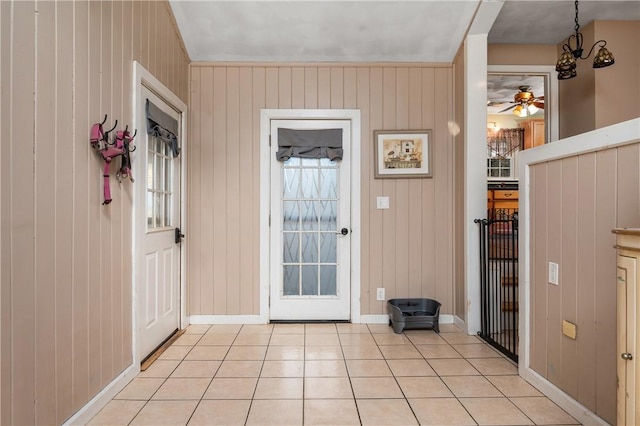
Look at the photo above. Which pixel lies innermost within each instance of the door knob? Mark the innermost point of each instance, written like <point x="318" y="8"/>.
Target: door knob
<point x="343" y="231"/>
<point x="627" y="356"/>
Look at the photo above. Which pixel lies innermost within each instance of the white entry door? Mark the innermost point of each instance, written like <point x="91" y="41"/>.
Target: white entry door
<point x="310" y="230"/>
<point x="158" y="295"/>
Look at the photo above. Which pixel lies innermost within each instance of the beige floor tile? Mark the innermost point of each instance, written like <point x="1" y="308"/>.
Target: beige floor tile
<point x="494" y="411"/>
<point x="197" y="369"/>
<point x="391" y="339"/>
<point x="165" y="413"/>
<point x="471" y="386"/>
<point x="320" y="329"/>
<point x="239" y="369"/>
<point x="325" y="368"/>
<point x="452" y="367"/>
<point x="513" y="386"/>
<point x="288" y="329"/>
<point x="174" y="389"/>
<point x="197" y="329"/>
<point x="380" y="412"/>
<point x="362" y="352"/>
<point x="285" y="353"/>
<point x="410" y="367"/>
<point x="380" y="329"/>
<point x="477" y="350"/>
<point x="175" y="352"/>
<point x="279" y="388"/>
<point x="287" y="339"/>
<point x="323" y="352"/>
<point x="438" y="351"/>
<point x="460" y="338"/>
<point x="160" y="368"/>
<point x="187" y="340"/>
<point x="221" y="413"/>
<point x="225" y="329"/>
<point x="221" y="339"/>
<point x="275" y="413"/>
<point x="246" y="353"/>
<point x="423" y="387"/>
<point x="375" y="387"/>
<point x="426" y="339"/>
<point x="440" y="412"/>
<point x="367" y="368"/>
<point x="140" y="389"/>
<point x="257" y="329"/>
<point x="332" y="412"/>
<point x="494" y="366"/>
<point x="252" y="339"/>
<point x="400" y="352"/>
<point x="327" y="388"/>
<point x="207" y="353"/>
<point x="117" y="412"/>
<point x="353" y="328"/>
<point x="543" y="411"/>
<point x="282" y="369"/>
<point x="449" y="328"/>
<point x="326" y="339"/>
<point x="231" y="388"/>
<point x="356" y="339"/>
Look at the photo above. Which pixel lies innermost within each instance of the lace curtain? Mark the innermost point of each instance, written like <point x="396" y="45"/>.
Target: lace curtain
<point x="504" y="142"/>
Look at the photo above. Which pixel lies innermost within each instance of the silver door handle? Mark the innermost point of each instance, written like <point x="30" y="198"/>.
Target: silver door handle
<point x="627" y="356"/>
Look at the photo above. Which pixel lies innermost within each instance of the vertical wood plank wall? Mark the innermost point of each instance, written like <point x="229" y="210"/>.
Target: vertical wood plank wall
<point x="407" y="249"/>
<point x="575" y="202"/>
<point x="66" y="259"/>
<point x="460" y="306"/>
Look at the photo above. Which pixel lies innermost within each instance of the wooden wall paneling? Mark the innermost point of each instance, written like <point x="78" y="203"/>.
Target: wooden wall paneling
<point x="350" y="93"/>
<point x="81" y="177"/>
<point x="220" y="175"/>
<point x="249" y="200"/>
<point x="606" y="209"/>
<point x="539" y="231"/>
<point x="429" y="224"/>
<point x="284" y="87"/>
<point x="64" y="148"/>
<point x="311" y="87"/>
<point x="194" y="195"/>
<point x="235" y="151"/>
<point x="414" y="207"/>
<point x="628" y="214"/>
<point x="210" y="205"/>
<point x="569" y="286"/>
<point x="324" y="87"/>
<point x="367" y="200"/>
<point x="376" y="240"/>
<point x="554" y="254"/>
<point x="297" y="88"/>
<point x="23" y="291"/>
<point x="258" y="102"/>
<point x="402" y="225"/>
<point x="154" y="29"/>
<point x="389" y="243"/>
<point x="272" y="89"/>
<point x="337" y="88"/>
<point x="136" y="27"/>
<point x="585" y="276"/>
<point x="45" y="231"/>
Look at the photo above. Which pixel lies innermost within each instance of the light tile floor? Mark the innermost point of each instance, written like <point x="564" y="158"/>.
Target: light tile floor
<point x="329" y="374"/>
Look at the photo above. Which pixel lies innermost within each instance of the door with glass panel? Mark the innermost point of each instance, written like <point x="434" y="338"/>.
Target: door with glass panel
<point x="310" y="222"/>
<point x="158" y="295"/>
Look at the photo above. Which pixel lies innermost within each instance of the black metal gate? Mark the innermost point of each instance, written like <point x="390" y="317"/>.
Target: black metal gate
<point x="499" y="280"/>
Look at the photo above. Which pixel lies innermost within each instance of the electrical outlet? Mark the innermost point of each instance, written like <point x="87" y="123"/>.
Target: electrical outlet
<point x="382" y="202"/>
<point x="553" y="273"/>
<point x="380" y="294"/>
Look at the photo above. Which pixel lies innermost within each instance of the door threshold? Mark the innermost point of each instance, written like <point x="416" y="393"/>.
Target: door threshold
<point x="309" y="321"/>
<point x="150" y="359"/>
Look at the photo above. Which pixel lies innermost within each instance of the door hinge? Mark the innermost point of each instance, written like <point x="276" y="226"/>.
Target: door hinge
<point x="269" y="219"/>
<point x="269" y="141"/>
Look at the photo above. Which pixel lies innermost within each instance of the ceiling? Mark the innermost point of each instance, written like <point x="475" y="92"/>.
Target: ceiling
<point x="372" y="31"/>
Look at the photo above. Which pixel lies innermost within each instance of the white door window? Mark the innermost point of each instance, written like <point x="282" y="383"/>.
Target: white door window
<point x="310" y="234"/>
<point x="158" y="298"/>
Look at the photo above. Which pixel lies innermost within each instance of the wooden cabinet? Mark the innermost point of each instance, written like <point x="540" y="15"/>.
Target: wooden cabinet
<point x="628" y="325"/>
<point x="502" y="199"/>
<point x="534" y="133"/>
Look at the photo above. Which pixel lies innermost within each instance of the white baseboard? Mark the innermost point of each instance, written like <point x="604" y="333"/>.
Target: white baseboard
<point x="566" y="402"/>
<point x="384" y="319"/>
<point x="93" y="407"/>
<point x="227" y="319"/>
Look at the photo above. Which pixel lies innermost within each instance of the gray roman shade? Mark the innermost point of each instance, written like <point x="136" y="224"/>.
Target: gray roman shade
<point x="163" y="126"/>
<point x="325" y="143"/>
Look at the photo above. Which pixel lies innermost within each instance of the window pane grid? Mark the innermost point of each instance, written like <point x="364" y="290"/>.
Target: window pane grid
<point x="159" y="182"/>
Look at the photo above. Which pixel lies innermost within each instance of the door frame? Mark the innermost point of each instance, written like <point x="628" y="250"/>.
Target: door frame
<point x="266" y="115"/>
<point x="142" y="77"/>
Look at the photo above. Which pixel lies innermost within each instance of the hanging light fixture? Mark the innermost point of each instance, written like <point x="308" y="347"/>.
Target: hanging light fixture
<point x="566" y="65"/>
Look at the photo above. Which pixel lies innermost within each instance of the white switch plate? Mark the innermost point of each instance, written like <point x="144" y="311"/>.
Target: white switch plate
<point x="380" y="294"/>
<point x="553" y="273"/>
<point x="382" y="202"/>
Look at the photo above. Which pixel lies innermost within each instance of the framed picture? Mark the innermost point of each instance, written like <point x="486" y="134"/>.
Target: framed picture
<point x="402" y="154"/>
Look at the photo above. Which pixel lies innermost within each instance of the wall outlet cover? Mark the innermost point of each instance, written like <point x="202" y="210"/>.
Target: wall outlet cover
<point x="554" y="272"/>
<point x="380" y="294"/>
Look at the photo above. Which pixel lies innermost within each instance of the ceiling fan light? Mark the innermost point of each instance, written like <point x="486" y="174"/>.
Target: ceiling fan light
<point x="603" y="58"/>
<point x="518" y="110"/>
<point x="566" y="62"/>
<point x="532" y="109"/>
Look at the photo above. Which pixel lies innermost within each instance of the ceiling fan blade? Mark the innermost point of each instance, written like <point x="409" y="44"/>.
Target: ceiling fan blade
<point x="507" y="109"/>
<point x="540" y="98"/>
<point x="539" y="104"/>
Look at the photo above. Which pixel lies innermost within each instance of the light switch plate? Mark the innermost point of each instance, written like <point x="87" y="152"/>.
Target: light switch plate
<point x="554" y="271"/>
<point x="380" y="294"/>
<point x="382" y="202"/>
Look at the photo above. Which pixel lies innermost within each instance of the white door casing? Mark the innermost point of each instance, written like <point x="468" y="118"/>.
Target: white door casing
<point x="310" y="205"/>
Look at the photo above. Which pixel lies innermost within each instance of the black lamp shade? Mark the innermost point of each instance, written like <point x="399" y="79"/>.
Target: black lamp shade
<point x="603" y="58"/>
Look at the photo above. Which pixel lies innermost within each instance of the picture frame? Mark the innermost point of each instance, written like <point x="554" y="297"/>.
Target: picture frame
<point x="402" y="154"/>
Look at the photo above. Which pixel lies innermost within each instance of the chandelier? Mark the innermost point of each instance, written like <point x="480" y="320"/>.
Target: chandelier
<point x="566" y="65"/>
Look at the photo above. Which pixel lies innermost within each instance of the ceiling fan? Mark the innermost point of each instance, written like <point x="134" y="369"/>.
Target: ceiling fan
<point x="525" y="103"/>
